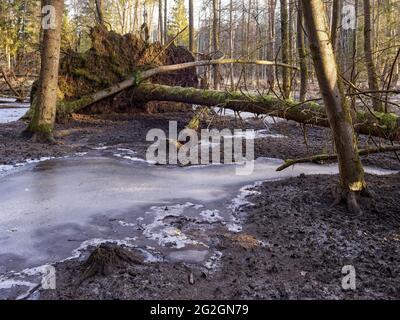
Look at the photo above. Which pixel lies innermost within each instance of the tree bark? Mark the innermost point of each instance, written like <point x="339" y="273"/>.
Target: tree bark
<point x="371" y="69"/>
<point x="191" y="26"/>
<point x="337" y="107"/>
<point x="99" y="12"/>
<point x="215" y="41"/>
<point x="160" y="22"/>
<point x="42" y="124"/>
<point x="285" y="48"/>
<point x="301" y="48"/>
<point x="271" y="41"/>
<point x="231" y="44"/>
<point x="336" y="6"/>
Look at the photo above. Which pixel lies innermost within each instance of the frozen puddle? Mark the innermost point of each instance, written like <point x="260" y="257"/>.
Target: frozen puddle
<point x="52" y="210"/>
<point x="10" y="110"/>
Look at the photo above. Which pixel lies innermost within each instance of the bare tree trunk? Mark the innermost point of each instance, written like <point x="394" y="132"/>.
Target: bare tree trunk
<point x="42" y="124"/>
<point x="271" y="41"/>
<point x="285" y="48"/>
<point x="336" y="5"/>
<point x="337" y="107"/>
<point x="99" y="12"/>
<point x="165" y="21"/>
<point x="231" y="35"/>
<point x="191" y="26"/>
<point x="215" y="41"/>
<point x="136" y="17"/>
<point x="301" y="48"/>
<point x="371" y="69"/>
<point x="160" y="22"/>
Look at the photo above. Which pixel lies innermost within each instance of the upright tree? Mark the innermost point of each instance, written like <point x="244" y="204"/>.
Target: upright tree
<point x="336" y="6"/>
<point x="285" y="48"/>
<point x="215" y="41"/>
<point x="42" y="124"/>
<point x="369" y="60"/>
<point x="160" y="21"/>
<point x="271" y="40"/>
<point x="301" y="48"/>
<point x="179" y="23"/>
<point x="337" y="107"/>
<point x="100" y="12"/>
<point x="191" y="26"/>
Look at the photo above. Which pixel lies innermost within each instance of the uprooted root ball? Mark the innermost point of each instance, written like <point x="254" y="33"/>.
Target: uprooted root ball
<point x="106" y="259"/>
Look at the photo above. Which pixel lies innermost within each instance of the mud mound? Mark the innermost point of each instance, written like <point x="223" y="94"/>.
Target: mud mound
<point x="113" y="58"/>
<point x="107" y="258"/>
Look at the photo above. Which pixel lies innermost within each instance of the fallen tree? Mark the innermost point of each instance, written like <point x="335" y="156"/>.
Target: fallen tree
<point x="385" y="125"/>
<point x="332" y="157"/>
<point x="139" y="77"/>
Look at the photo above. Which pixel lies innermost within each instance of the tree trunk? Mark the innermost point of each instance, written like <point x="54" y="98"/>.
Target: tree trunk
<point x="285" y="48"/>
<point x="160" y="22"/>
<point x="271" y="41"/>
<point x="191" y="26"/>
<point x="337" y="107"/>
<point x="231" y="45"/>
<point x="165" y="21"/>
<point x="215" y="41"/>
<point x="99" y="12"/>
<point x="42" y="124"/>
<point x="302" y="54"/>
<point x="371" y="69"/>
<point x="336" y="6"/>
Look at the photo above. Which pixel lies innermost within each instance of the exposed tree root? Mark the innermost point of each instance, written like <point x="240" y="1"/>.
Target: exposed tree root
<point x="105" y="259"/>
<point x="350" y="198"/>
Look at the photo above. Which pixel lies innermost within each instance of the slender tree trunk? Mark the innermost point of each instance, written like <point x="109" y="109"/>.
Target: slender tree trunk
<point x="136" y="17"/>
<point x="336" y="5"/>
<point x="371" y="69"/>
<point x="215" y="42"/>
<point x="231" y="36"/>
<point x="302" y="54"/>
<point x="337" y="107"/>
<point x="191" y="26"/>
<point x="271" y="41"/>
<point x="160" y="22"/>
<point x="285" y="48"/>
<point x="42" y="123"/>
<point x="100" y="12"/>
<point x="165" y="21"/>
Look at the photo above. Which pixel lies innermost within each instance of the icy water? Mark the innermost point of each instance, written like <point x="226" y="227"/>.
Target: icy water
<point x="10" y="110"/>
<point x="53" y="209"/>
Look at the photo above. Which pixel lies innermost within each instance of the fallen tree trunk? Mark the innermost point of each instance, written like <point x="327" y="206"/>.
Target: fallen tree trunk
<point x="375" y="123"/>
<point x="384" y="125"/>
<point x="332" y="157"/>
<point x="74" y="106"/>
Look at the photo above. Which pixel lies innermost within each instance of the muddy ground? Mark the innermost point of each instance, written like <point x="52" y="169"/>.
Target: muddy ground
<point x="305" y="242"/>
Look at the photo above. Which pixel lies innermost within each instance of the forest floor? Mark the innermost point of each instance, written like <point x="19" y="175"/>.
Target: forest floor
<point x="305" y="241"/>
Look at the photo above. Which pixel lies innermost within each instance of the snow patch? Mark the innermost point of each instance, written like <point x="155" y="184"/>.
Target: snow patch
<point x="214" y="261"/>
<point x="165" y="234"/>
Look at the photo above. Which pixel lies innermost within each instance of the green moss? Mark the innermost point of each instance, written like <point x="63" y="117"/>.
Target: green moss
<point x="386" y="121"/>
<point x="84" y="73"/>
<point x="65" y="108"/>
